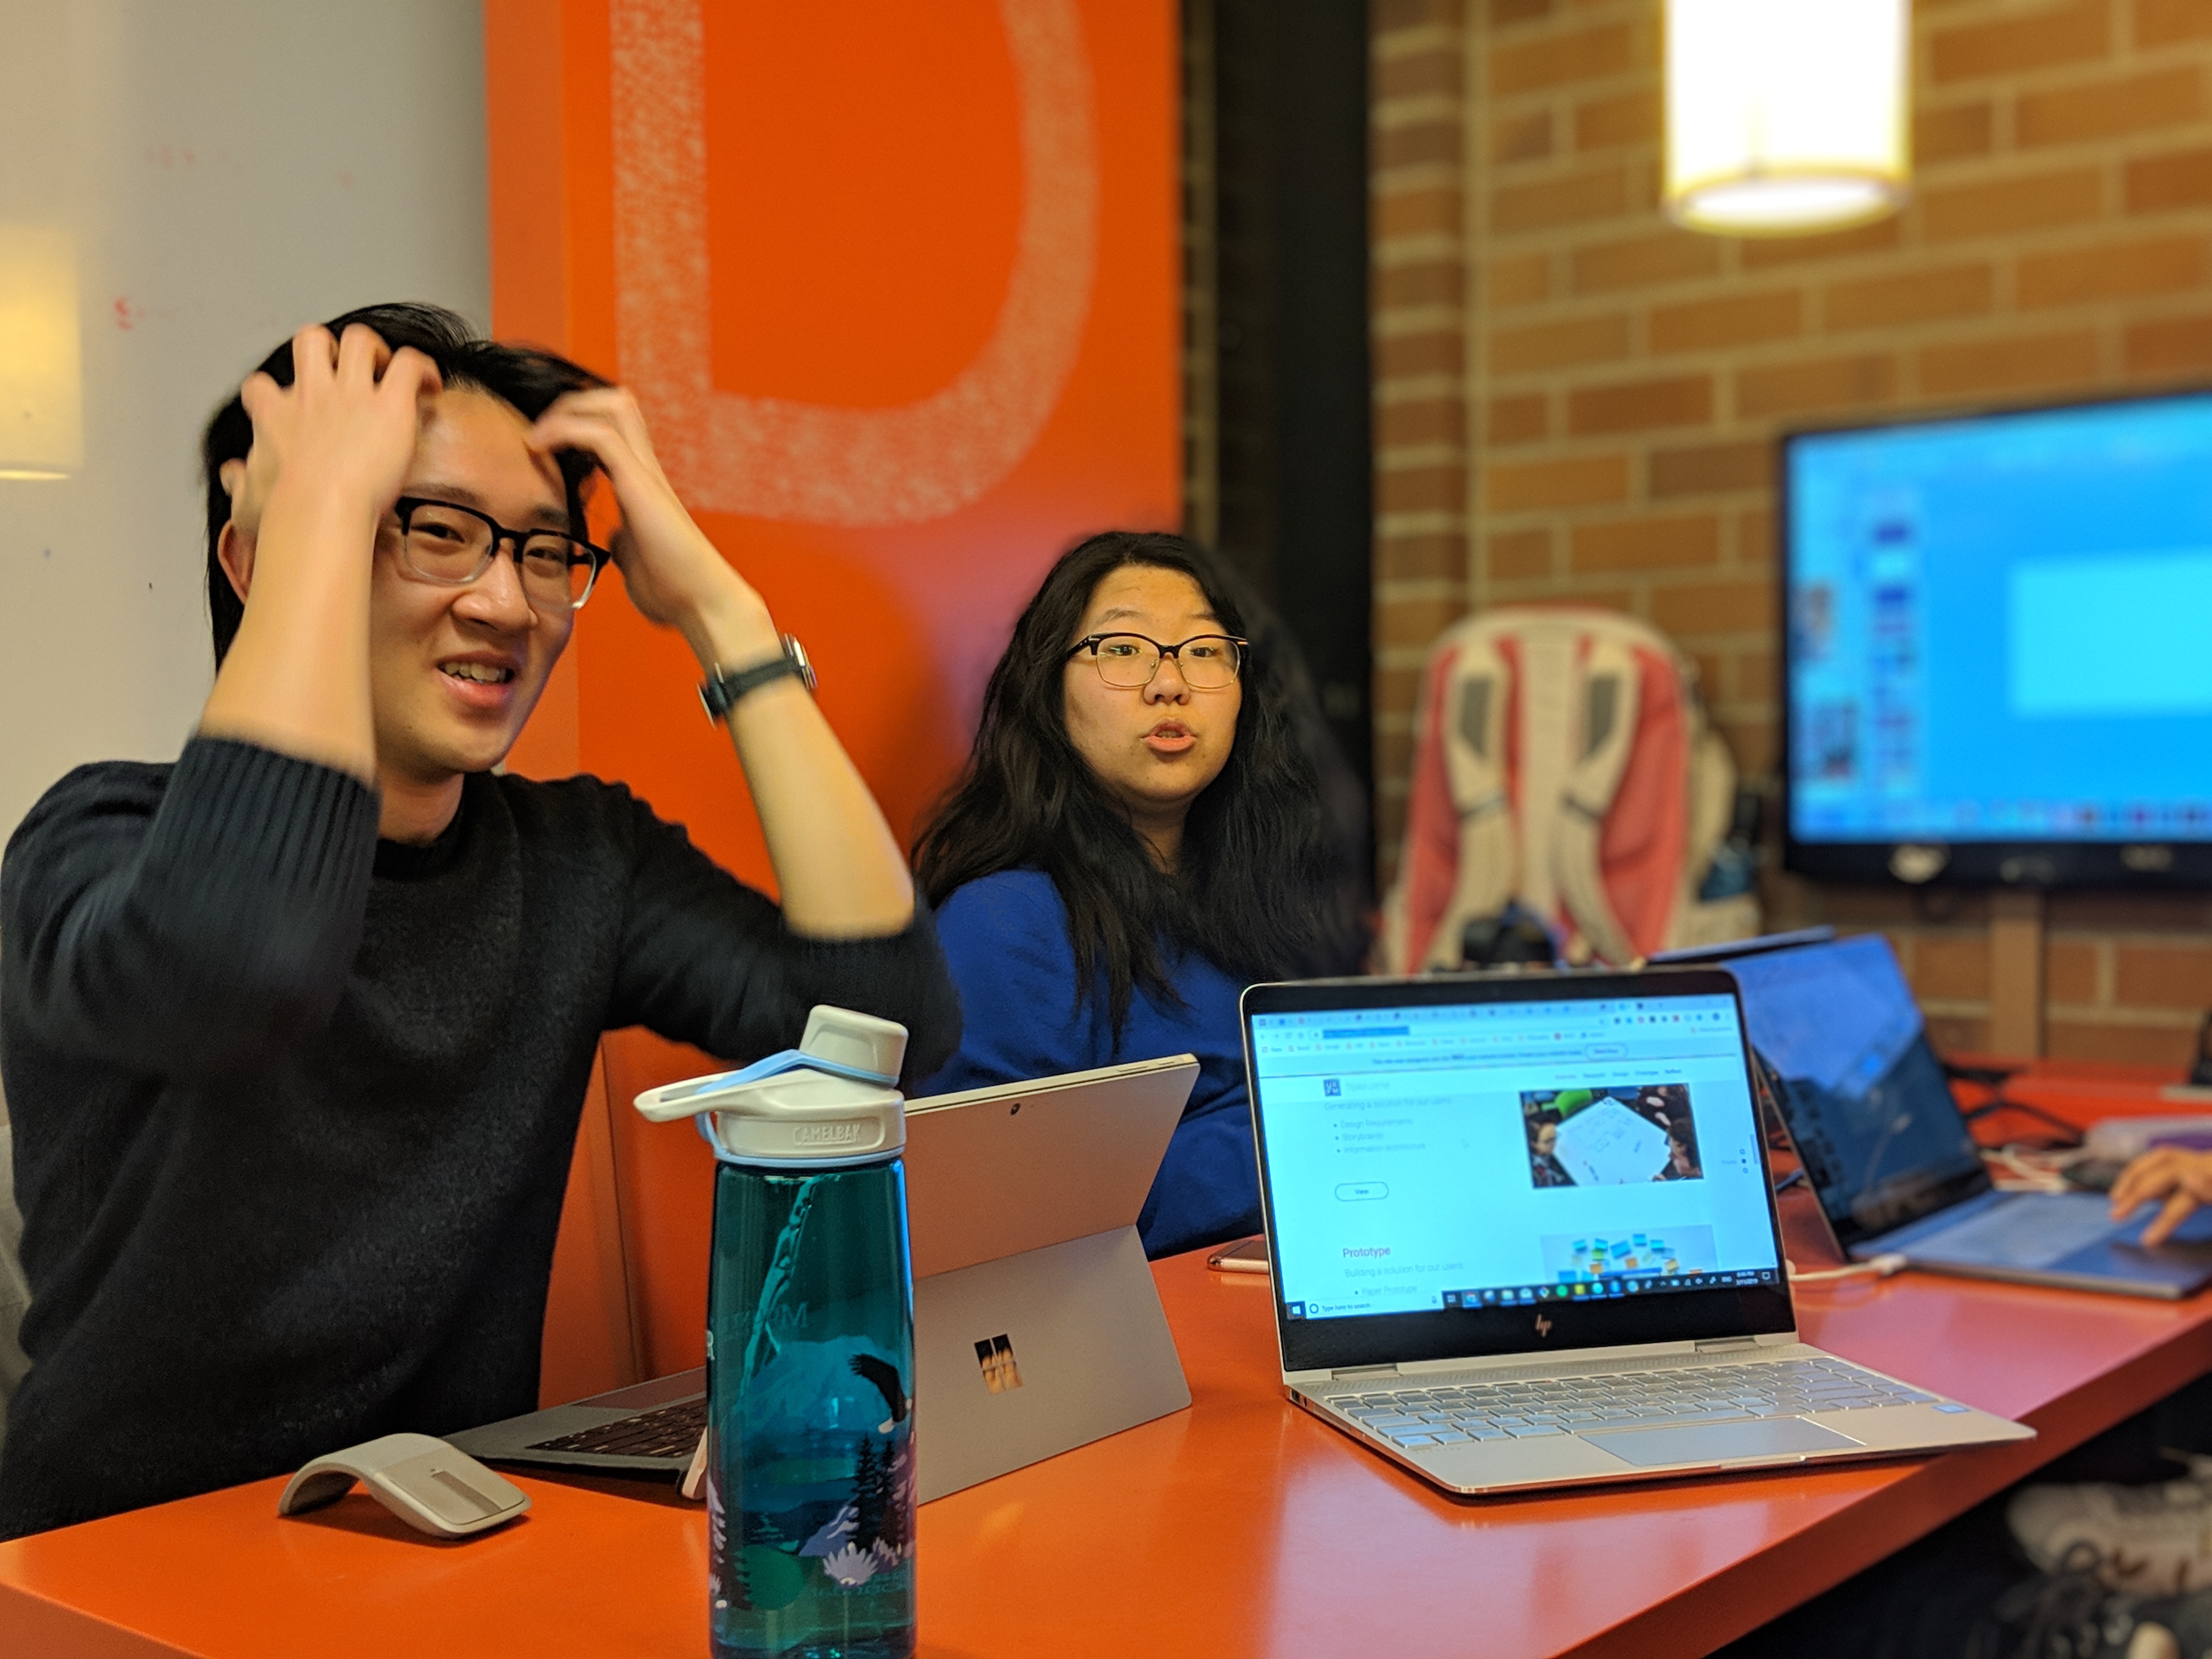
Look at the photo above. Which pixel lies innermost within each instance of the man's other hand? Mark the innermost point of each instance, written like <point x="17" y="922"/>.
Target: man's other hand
<point x="675" y="576"/>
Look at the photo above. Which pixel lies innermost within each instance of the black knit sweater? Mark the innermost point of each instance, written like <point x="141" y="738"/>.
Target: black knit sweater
<point x="294" y="1108"/>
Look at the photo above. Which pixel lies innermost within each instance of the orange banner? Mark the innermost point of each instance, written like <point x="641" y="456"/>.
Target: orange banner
<point x="898" y="288"/>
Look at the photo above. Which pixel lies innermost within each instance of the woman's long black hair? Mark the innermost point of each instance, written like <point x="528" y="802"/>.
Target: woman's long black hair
<point x="1264" y="886"/>
<point x="527" y="377"/>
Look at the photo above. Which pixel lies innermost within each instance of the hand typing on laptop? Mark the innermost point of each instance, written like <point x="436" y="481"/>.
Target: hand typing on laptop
<point x="1893" y="1160"/>
<point x="2173" y="1177"/>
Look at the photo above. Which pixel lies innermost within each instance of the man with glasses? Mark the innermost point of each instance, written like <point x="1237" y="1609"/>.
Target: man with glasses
<point x="296" y="1030"/>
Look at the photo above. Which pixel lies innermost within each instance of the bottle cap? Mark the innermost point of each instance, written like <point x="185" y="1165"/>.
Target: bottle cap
<point x="832" y="1101"/>
<point x="804" y="1116"/>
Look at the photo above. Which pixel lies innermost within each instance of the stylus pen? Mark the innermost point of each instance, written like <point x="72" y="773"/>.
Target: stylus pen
<point x="1788" y="1181"/>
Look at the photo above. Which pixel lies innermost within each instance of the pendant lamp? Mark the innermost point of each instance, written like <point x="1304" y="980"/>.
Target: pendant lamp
<point x="41" y="374"/>
<point x="1787" y="117"/>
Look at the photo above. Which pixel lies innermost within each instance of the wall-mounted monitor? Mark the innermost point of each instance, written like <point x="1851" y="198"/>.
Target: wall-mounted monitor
<point x="1997" y="658"/>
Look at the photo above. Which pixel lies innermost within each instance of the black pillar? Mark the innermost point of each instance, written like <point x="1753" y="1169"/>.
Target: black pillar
<point x="1290" y="120"/>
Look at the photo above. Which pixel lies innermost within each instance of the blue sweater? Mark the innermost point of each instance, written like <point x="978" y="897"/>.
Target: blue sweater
<point x="1006" y="938"/>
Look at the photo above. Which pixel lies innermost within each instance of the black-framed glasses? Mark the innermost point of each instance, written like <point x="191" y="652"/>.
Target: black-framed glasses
<point x="455" y="545"/>
<point x="1207" y="662"/>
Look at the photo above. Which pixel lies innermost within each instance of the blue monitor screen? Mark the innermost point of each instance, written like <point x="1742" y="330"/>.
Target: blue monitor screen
<point x="2000" y="627"/>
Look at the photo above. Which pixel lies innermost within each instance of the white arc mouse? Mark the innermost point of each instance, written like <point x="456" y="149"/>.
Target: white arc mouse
<point x="428" y="1484"/>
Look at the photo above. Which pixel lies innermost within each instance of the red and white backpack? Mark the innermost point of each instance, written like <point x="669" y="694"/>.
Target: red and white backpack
<point x="1562" y="759"/>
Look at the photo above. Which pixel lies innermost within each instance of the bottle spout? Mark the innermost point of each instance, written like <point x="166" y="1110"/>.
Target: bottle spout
<point x="833" y="1099"/>
<point x="854" y="1042"/>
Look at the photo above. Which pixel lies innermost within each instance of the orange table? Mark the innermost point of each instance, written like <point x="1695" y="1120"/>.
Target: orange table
<point x="1240" y="1527"/>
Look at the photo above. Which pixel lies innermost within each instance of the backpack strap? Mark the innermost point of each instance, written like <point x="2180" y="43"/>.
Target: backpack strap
<point x="1428" y="862"/>
<point x="1551" y="652"/>
<point x="1477" y="697"/>
<point x="1611" y="686"/>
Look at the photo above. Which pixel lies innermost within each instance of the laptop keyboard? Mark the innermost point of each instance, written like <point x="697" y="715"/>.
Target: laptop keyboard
<point x="1530" y="1407"/>
<point x="665" y="1431"/>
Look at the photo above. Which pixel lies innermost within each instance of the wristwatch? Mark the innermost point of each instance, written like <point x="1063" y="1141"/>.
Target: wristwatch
<point x="723" y="686"/>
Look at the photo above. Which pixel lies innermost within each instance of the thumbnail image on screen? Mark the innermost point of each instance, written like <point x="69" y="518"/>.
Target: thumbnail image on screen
<point x="1610" y="1136"/>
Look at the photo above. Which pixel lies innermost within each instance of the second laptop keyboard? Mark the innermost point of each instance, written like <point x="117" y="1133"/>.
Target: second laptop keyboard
<point x="1527" y="1407"/>
<point x="667" y="1431"/>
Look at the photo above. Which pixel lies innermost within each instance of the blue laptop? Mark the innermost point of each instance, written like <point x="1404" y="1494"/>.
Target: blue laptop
<point x="1887" y="1151"/>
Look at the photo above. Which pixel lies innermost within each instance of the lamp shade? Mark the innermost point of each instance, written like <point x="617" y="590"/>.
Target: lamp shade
<point x="1787" y="116"/>
<point x="42" y="372"/>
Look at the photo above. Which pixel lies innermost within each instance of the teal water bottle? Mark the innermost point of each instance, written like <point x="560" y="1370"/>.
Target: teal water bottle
<point x="810" y="1471"/>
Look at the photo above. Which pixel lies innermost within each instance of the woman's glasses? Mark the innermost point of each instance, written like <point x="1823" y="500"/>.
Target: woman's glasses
<point x="455" y="545"/>
<point x="1208" y="662"/>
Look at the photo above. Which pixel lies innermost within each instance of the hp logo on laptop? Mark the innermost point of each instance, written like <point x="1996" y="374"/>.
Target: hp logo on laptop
<point x="1543" y="1325"/>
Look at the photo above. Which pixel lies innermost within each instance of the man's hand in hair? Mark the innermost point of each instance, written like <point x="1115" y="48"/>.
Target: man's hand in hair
<point x="2181" y="1178"/>
<point x="345" y="428"/>
<point x="330" y="453"/>
<point x="676" y="577"/>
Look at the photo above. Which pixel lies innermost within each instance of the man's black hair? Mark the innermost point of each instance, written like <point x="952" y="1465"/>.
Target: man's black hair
<point x="524" y="377"/>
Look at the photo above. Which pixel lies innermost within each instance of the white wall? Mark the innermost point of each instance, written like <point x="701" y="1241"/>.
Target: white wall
<point x="232" y="169"/>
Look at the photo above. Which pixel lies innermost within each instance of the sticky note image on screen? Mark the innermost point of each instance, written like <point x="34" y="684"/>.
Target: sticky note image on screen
<point x="1659" y="1252"/>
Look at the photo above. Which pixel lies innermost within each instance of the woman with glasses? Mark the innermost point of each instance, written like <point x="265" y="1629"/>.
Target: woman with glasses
<point x="296" y="1030"/>
<point x="1140" y="833"/>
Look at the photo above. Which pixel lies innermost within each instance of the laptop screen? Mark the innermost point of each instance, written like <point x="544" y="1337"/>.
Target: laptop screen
<point x="1882" y="1139"/>
<point x="1449" y="1157"/>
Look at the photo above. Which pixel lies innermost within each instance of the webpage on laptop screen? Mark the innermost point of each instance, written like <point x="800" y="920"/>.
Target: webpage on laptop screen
<point x="1470" y="1156"/>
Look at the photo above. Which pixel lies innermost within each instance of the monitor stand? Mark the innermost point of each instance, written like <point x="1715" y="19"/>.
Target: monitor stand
<point x="2016" y="973"/>
<point x="1031" y="1355"/>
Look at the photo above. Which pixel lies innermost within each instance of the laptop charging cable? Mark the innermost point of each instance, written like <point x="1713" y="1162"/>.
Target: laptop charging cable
<point x="1880" y="1266"/>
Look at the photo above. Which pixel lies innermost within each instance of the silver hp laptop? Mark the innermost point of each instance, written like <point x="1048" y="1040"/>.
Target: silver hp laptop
<point x="1038" y="1324"/>
<point x="1522" y="1235"/>
<point x="1889" y="1155"/>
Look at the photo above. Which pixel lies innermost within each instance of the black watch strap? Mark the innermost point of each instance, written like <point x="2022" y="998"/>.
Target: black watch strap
<point x="723" y="687"/>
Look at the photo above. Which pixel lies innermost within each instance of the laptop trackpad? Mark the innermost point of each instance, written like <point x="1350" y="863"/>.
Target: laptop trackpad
<point x="2029" y="1231"/>
<point x="1721" y="1442"/>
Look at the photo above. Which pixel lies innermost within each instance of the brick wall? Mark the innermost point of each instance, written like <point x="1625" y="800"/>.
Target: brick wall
<point x="1421" y="302"/>
<point x="1627" y="378"/>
